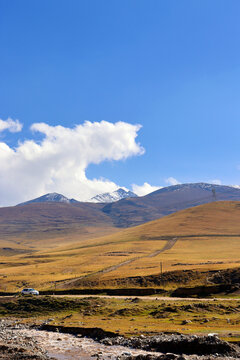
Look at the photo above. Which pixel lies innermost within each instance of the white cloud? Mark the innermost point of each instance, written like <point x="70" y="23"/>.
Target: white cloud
<point x="59" y="162"/>
<point x="216" y="182"/>
<point x="172" y="181"/>
<point x="11" y="125"/>
<point x="144" y="189"/>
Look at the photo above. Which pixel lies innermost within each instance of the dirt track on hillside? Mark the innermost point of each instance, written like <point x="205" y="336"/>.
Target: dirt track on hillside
<point x="170" y="243"/>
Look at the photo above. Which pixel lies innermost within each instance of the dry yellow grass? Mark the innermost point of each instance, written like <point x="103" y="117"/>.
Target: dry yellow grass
<point x="208" y="237"/>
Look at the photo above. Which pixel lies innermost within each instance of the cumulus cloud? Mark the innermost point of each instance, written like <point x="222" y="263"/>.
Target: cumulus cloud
<point x="144" y="189"/>
<point x="172" y="181"/>
<point x="11" y="125"/>
<point x="58" y="163"/>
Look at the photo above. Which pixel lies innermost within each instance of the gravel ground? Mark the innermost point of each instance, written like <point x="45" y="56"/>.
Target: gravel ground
<point x="22" y="342"/>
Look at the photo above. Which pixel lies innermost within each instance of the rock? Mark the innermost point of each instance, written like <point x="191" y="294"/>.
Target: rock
<point x="178" y="344"/>
<point x="185" y="322"/>
<point x="170" y="356"/>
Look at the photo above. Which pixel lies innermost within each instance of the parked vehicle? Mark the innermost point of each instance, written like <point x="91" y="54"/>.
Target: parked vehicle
<point x="29" y="292"/>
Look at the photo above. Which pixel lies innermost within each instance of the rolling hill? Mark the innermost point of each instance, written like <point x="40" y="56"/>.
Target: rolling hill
<point x="206" y="236"/>
<point x="55" y="217"/>
<point x="51" y="223"/>
<point x="135" y="211"/>
<point x="203" y="237"/>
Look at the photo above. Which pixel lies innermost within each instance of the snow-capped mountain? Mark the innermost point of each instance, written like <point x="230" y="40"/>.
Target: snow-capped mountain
<point x="51" y="197"/>
<point x="113" y="196"/>
<point x="196" y="187"/>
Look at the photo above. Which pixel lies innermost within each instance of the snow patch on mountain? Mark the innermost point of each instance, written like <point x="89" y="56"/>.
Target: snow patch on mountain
<point x="113" y="196"/>
<point x="236" y="186"/>
<point x="195" y="186"/>
<point x="51" y="197"/>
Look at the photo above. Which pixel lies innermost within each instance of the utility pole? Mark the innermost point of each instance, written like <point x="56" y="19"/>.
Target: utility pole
<point x="214" y="194"/>
<point x="161" y="268"/>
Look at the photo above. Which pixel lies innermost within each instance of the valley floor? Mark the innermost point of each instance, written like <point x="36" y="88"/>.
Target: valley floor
<point x="20" y="341"/>
<point x="131" y="316"/>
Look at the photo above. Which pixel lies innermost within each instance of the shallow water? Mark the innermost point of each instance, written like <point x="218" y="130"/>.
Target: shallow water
<point x="69" y="347"/>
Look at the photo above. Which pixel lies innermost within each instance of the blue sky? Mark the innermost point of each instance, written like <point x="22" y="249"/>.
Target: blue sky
<point x="172" y="66"/>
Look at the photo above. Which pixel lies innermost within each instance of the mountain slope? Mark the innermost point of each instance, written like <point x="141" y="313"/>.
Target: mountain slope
<point x="61" y="221"/>
<point x="216" y="218"/>
<point x="135" y="211"/>
<point x="113" y="196"/>
<point x="202" y="237"/>
<point x="36" y="223"/>
<point x="205" y="237"/>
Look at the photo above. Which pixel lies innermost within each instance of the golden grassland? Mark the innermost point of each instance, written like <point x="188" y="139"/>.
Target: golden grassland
<point x="195" y="254"/>
<point x="208" y="237"/>
<point x="33" y="242"/>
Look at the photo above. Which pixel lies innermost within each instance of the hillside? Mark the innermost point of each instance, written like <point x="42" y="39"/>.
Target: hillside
<point x="216" y="218"/>
<point x="55" y="217"/>
<point x="35" y="223"/>
<point x="203" y="237"/>
<point x="135" y="211"/>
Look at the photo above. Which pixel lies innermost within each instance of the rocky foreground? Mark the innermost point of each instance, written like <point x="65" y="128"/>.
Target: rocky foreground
<point x="15" y="344"/>
<point x="178" y="347"/>
<point x="18" y="342"/>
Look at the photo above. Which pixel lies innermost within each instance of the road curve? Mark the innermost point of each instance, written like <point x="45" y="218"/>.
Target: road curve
<point x="170" y="243"/>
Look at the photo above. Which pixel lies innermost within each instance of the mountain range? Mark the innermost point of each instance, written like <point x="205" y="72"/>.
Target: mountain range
<point x="55" y="216"/>
<point x="136" y="211"/>
<point x="117" y="195"/>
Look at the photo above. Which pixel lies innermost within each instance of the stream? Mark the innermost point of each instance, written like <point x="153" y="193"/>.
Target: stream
<point x="21" y="341"/>
<point x="68" y="347"/>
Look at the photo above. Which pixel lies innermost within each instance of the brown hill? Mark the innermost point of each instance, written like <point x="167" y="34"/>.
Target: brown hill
<point x="43" y="221"/>
<point x="203" y="237"/>
<point x="75" y="221"/>
<point x="135" y="211"/>
<point x="206" y="237"/>
<point x="216" y="218"/>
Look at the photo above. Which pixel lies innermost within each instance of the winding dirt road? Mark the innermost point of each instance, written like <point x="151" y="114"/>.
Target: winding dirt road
<point x="170" y="243"/>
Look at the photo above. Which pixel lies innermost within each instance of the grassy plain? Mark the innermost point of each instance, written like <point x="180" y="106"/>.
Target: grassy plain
<point x="130" y="316"/>
<point x="207" y="237"/>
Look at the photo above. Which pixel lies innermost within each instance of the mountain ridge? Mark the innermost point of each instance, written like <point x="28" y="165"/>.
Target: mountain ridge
<point x="50" y="197"/>
<point x="213" y="190"/>
<point x="50" y="223"/>
<point x="45" y="219"/>
<point x="116" y="195"/>
<point x="100" y="198"/>
<point x="164" y="201"/>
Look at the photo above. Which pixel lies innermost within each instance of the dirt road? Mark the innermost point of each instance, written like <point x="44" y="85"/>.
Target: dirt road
<point x="153" y="297"/>
<point x="170" y="243"/>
